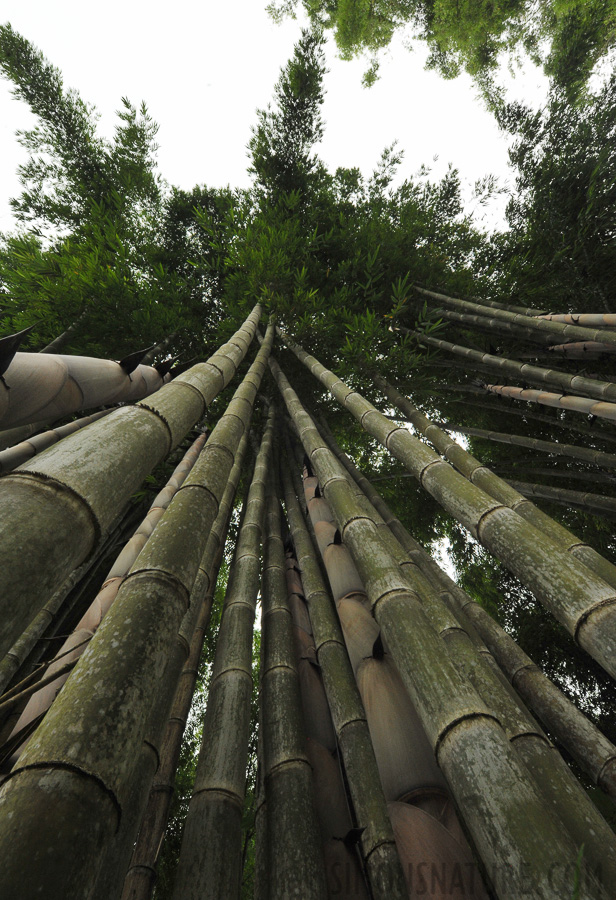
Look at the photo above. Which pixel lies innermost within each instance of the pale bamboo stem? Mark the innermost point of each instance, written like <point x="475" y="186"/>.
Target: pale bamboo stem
<point x="210" y="864"/>
<point x="587" y="320"/>
<point x="471" y="748"/>
<point x="120" y="692"/>
<point x="596" y="504"/>
<point x="22" y="452"/>
<point x="63" y="500"/>
<point x="582" y="601"/>
<point x="494" y="326"/>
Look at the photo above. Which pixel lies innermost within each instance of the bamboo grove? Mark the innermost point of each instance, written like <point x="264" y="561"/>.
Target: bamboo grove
<point x="221" y="590"/>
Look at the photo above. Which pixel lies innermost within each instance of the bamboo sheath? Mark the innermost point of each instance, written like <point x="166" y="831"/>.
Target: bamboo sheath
<point x="295" y="859"/>
<point x="601" y="409"/>
<point x="141" y="874"/>
<point x="210" y="863"/>
<point x="74" y="646"/>
<point x="40" y="388"/>
<point x="540" y="325"/>
<point x="596" y="504"/>
<point x="86" y="750"/>
<point x="583" y="602"/>
<point x="577" y="384"/>
<point x="63" y="500"/>
<point x="15" y="456"/>
<point x="348" y="714"/>
<point x="571" y="451"/>
<point x="504" y="491"/>
<point x="583" y="740"/>
<point x="505" y="815"/>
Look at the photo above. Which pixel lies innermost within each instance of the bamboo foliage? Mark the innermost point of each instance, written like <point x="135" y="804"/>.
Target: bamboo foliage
<point x="76" y="643"/>
<point x="295" y="860"/>
<point x="210" y="856"/>
<point x="349" y="719"/>
<point x="63" y="500"/>
<point x="471" y="748"/>
<point x="582" y="601"/>
<point x="120" y="692"/>
<point x="141" y="875"/>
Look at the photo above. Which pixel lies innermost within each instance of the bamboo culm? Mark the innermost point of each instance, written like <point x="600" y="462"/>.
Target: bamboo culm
<point x="601" y="409"/>
<point x="210" y="864"/>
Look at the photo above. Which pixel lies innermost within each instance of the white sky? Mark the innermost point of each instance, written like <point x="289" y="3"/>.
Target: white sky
<point x="204" y="68"/>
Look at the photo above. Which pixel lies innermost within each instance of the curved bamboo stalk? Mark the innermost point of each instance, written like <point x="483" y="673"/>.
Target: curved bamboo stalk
<point x="63" y="500"/>
<point x="600" y="409"/>
<point x="595" y="504"/>
<point x="587" y="320"/>
<point x="296" y="867"/>
<point x="210" y="855"/>
<point x="120" y="692"/>
<point x="578" y="384"/>
<point x="583" y="740"/>
<point x="75" y="645"/>
<point x="20" y="453"/>
<point x="491" y="304"/>
<point x="39" y="388"/>
<point x="582" y="601"/>
<point x="575" y="332"/>
<point x="349" y="718"/>
<point x="471" y="748"/>
<point x="571" y="451"/>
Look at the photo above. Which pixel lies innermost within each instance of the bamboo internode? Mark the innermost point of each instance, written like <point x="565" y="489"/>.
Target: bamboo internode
<point x="601" y="409"/>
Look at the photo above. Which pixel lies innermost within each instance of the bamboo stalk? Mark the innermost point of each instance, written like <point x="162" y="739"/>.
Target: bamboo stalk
<point x="577" y="384"/>
<point x="575" y="332"/>
<point x="494" y="304"/>
<point x="583" y="740"/>
<point x="582" y="601"/>
<point x="581" y="349"/>
<point x="494" y="326"/>
<point x="295" y="860"/>
<point x="595" y="504"/>
<point x="62" y="501"/>
<point x="210" y="855"/>
<point x="587" y="320"/>
<point x="15" y="456"/>
<point x="349" y="718"/>
<point x="89" y="623"/>
<point x="144" y="829"/>
<point x="120" y="692"/>
<point x="602" y="410"/>
<point x="63" y="339"/>
<point x="471" y="748"/>
<point x="571" y="451"/>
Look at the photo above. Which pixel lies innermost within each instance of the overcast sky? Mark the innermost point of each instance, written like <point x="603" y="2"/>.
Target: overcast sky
<point x="204" y="68"/>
